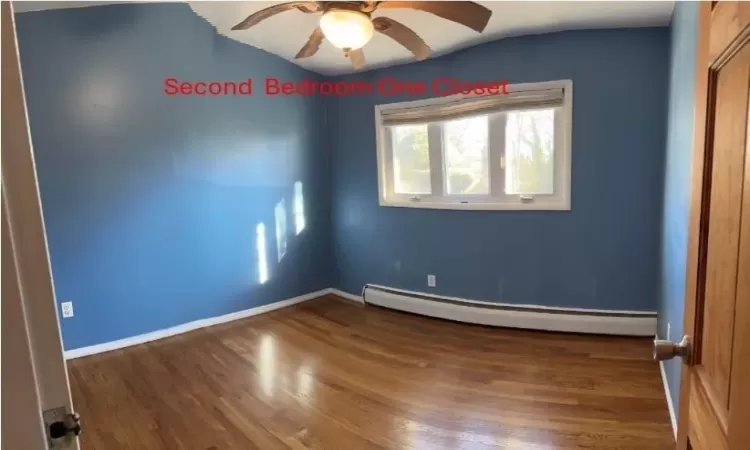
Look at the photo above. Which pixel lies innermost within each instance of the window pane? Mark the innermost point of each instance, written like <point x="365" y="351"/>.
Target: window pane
<point x="411" y="159"/>
<point x="466" y="161"/>
<point x="529" y="152"/>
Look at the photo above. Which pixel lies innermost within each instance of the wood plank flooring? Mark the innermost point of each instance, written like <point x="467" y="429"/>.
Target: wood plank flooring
<point x="332" y="374"/>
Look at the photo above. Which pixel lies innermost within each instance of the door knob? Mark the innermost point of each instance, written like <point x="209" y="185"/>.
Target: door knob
<point x="665" y="350"/>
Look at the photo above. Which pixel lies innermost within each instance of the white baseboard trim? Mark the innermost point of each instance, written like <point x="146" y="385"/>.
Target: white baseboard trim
<point x="670" y="406"/>
<point x="346" y="295"/>
<point x="190" y="326"/>
<point x="463" y="310"/>
<point x="575" y="320"/>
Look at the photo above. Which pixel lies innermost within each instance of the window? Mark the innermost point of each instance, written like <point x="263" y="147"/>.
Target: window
<point x="503" y="151"/>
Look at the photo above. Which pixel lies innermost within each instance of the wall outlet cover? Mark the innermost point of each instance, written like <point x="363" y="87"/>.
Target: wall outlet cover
<point x="67" y="309"/>
<point x="431" y="280"/>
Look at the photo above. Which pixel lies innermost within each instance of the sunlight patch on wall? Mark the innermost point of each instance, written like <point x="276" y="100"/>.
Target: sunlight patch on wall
<point x="280" y="214"/>
<point x="260" y="244"/>
<point x="299" y="207"/>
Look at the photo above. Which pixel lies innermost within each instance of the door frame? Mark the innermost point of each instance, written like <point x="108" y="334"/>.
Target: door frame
<point x="23" y="428"/>
<point x="35" y="375"/>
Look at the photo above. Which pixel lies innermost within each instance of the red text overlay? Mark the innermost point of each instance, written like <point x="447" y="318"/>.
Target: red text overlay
<point x="385" y="86"/>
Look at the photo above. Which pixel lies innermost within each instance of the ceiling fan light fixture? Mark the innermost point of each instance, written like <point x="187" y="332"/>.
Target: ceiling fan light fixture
<point x="347" y="29"/>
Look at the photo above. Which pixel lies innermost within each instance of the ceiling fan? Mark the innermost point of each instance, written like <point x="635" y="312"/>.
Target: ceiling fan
<point x="349" y="25"/>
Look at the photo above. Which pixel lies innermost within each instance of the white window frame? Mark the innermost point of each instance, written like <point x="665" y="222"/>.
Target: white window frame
<point x="497" y="199"/>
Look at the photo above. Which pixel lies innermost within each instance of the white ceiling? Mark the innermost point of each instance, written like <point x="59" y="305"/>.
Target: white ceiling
<point x="25" y="6"/>
<point x="287" y="32"/>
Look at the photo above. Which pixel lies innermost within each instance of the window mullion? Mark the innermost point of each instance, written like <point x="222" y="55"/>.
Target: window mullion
<point x="435" y="140"/>
<point x="560" y="175"/>
<point x="496" y="154"/>
<point x="388" y="163"/>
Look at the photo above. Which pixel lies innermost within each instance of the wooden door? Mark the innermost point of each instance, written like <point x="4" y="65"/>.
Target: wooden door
<point x="35" y="386"/>
<point x="715" y="390"/>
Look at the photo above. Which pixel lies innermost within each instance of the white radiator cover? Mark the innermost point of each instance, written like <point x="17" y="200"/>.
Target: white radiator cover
<point x="532" y="317"/>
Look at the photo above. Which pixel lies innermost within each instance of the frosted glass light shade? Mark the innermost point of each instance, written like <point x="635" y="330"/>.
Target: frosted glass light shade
<point x="346" y="29"/>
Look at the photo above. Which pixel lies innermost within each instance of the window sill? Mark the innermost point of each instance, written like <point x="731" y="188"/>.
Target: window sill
<point x="479" y="206"/>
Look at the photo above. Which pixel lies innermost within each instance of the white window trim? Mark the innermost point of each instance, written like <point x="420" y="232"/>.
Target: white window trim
<point x="563" y="166"/>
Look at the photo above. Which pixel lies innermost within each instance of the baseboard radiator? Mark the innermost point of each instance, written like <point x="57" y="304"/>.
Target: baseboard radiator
<point x="575" y="320"/>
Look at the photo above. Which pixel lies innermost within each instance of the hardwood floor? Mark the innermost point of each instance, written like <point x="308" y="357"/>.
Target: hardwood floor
<point x="331" y="374"/>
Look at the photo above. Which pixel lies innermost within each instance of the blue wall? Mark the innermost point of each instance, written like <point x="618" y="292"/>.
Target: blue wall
<point x="150" y="201"/>
<point x="602" y="254"/>
<point x="676" y="211"/>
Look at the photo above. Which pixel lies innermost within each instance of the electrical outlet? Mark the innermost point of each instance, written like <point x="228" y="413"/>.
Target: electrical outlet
<point x="67" y="309"/>
<point x="669" y="331"/>
<point x="431" y="280"/>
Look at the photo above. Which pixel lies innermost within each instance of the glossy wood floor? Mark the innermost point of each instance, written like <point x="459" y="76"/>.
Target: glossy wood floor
<point x="331" y="374"/>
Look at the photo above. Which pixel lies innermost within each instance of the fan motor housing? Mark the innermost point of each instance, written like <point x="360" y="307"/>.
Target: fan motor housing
<point x="359" y="7"/>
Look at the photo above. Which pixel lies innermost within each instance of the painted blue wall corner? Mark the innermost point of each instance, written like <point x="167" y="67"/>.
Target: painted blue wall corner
<point x="151" y="202"/>
<point x="676" y="209"/>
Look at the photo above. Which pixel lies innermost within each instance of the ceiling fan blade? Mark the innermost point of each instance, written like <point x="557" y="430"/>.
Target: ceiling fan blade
<point x="357" y="58"/>
<point x="470" y="14"/>
<point x="403" y="35"/>
<point x="263" y="14"/>
<point x="312" y="45"/>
